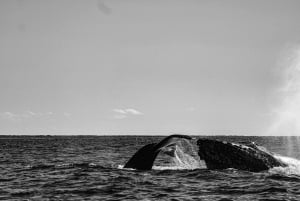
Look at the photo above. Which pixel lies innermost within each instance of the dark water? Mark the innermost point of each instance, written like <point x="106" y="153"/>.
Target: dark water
<point x="88" y="168"/>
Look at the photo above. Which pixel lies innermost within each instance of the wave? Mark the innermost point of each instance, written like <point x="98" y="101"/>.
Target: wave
<point x="293" y="166"/>
<point x="62" y="166"/>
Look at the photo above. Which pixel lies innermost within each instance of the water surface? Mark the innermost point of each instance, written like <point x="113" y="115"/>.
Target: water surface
<point x="89" y="168"/>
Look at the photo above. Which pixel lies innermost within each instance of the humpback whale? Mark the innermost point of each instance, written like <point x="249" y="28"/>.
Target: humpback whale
<point x="223" y="155"/>
<point x="144" y="158"/>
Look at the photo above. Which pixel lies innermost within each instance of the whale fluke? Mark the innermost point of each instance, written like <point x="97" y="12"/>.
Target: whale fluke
<point x="223" y="155"/>
<point x="144" y="158"/>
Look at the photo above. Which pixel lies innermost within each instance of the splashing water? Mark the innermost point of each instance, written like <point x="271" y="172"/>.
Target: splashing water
<point x="184" y="160"/>
<point x="185" y="157"/>
<point x="287" y="115"/>
<point x="293" y="167"/>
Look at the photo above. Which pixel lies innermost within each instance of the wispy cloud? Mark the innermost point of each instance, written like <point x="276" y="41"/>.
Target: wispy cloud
<point x="24" y="115"/>
<point x="120" y="111"/>
<point x="124" y="113"/>
<point x="7" y="115"/>
<point x="67" y="114"/>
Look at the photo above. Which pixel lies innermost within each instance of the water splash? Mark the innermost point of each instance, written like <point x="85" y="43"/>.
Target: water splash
<point x="287" y="114"/>
<point x="293" y="167"/>
<point x="185" y="158"/>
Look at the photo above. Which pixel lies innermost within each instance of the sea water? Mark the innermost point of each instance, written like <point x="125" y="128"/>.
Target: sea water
<point x="90" y="168"/>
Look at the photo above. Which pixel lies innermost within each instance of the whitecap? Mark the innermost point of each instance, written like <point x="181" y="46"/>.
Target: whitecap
<point x="293" y="166"/>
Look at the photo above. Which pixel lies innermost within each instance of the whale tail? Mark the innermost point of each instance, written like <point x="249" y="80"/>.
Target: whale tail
<point x="170" y="150"/>
<point x="247" y="156"/>
<point x="170" y="140"/>
<point x="144" y="158"/>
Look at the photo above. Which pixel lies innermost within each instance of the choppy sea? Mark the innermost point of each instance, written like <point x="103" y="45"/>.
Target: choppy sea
<point x="90" y="168"/>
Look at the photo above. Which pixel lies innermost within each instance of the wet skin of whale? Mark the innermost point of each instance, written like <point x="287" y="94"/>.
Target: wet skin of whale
<point x="144" y="158"/>
<point x="223" y="155"/>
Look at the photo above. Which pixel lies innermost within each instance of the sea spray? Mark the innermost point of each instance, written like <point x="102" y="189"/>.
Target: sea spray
<point x="287" y="113"/>
<point x="104" y="181"/>
<point x="185" y="158"/>
<point x="293" y="166"/>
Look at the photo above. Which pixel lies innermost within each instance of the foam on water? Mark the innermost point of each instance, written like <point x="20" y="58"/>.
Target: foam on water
<point x="293" y="167"/>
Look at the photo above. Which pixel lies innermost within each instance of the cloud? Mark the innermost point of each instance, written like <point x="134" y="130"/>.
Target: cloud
<point x="25" y="115"/>
<point x="7" y="115"/>
<point x="119" y="111"/>
<point x="124" y="113"/>
<point x="67" y="114"/>
<point x="133" y="111"/>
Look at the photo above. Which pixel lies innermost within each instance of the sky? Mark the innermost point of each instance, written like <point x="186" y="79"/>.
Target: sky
<point x="205" y="67"/>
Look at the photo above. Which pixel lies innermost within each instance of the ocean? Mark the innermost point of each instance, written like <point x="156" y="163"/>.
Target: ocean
<point x="91" y="168"/>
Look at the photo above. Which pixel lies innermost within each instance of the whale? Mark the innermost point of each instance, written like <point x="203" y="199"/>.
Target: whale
<point x="144" y="158"/>
<point x="241" y="156"/>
